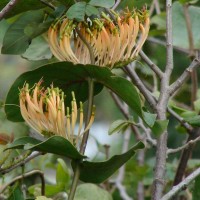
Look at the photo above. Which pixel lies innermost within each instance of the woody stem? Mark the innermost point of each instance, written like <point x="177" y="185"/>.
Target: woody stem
<point x="84" y="140"/>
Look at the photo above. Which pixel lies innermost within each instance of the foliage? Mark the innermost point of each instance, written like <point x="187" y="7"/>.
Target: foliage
<point x="146" y="107"/>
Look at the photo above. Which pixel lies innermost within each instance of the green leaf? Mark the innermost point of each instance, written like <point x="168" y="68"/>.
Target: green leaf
<point x="97" y="172"/>
<point x="70" y="77"/>
<point x="90" y="192"/>
<point x="19" y="35"/>
<point x="188" y="114"/>
<point x="159" y="21"/>
<point x="20" y="142"/>
<point x="149" y="118"/>
<point x="62" y="173"/>
<point x="38" y="50"/>
<point x="197" y="105"/>
<point x="50" y="190"/>
<point x="91" y="10"/>
<point x="64" y="75"/>
<point x="43" y="198"/>
<point x="180" y="34"/>
<point x="118" y="125"/>
<point x="196" y="191"/>
<point x="55" y="144"/>
<point x="16" y="193"/>
<point x="77" y="11"/>
<point x="188" y="1"/>
<point x="194" y="121"/>
<point x="102" y="3"/>
<point x="22" y="6"/>
<point x="133" y="4"/>
<point x="159" y="127"/>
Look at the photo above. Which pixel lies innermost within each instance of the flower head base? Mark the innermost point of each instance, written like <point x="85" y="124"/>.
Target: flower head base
<point x="111" y="42"/>
<point x="44" y="110"/>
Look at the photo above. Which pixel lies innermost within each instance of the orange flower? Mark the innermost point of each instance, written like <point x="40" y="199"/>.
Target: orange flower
<point x="44" y="110"/>
<point x="111" y="42"/>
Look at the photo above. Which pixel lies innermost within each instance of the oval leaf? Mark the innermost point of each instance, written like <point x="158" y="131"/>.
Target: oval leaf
<point x="102" y="3"/>
<point x="193" y="120"/>
<point x="38" y="50"/>
<point x="62" y="173"/>
<point x="97" y="172"/>
<point x="64" y="75"/>
<point x="91" y="10"/>
<point x="90" y="192"/>
<point x="117" y="126"/>
<point x="22" y="6"/>
<point x="77" y="11"/>
<point x="55" y="144"/>
<point x="18" y="36"/>
<point x="70" y="77"/>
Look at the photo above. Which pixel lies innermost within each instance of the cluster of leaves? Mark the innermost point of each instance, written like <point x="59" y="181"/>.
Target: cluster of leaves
<point x="27" y="25"/>
<point x="25" y="36"/>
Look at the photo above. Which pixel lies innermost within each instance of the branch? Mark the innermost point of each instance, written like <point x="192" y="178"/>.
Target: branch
<point x="149" y="62"/>
<point x="120" y="177"/>
<point x="140" y="185"/>
<point x="31" y="173"/>
<point x="50" y="5"/>
<point x="134" y="77"/>
<point x="155" y="5"/>
<point x="185" y="155"/>
<point x="92" y="57"/>
<point x="147" y="133"/>
<point x="181" y="185"/>
<point x="161" y="151"/>
<point x="116" y="4"/>
<point x="185" y="146"/>
<point x="186" y="125"/>
<point x="23" y="162"/>
<point x="8" y="8"/>
<point x="163" y="43"/>
<point x="189" y="29"/>
<point x="185" y="75"/>
<point x="125" y="113"/>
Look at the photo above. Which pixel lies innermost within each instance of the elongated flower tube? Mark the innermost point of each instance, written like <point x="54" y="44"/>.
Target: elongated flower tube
<point x="112" y="43"/>
<point x="44" y="110"/>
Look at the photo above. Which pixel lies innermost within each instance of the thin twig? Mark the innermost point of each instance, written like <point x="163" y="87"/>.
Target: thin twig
<point x="147" y="133"/>
<point x="126" y="114"/>
<point x="150" y="63"/>
<point x="8" y="8"/>
<point x="186" y="125"/>
<point x="50" y="5"/>
<point x="185" y="75"/>
<point x="23" y="162"/>
<point x="183" y="184"/>
<point x="134" y="77"/>
<point x="92" y="58"/>
<point x="84" y="139"/>
<point x="185" y="146"/>
<point x="31" y="173"/>
<point x="120" y="177"/>
<point x="192" y="52"/>
<point x="140" y="185"/>
<point x="189" y="29"/>
<point x="157" y="7"/>
<point x="116" y="4"/>
<point x="163" y="43"/>
<point x="185" y="155"/>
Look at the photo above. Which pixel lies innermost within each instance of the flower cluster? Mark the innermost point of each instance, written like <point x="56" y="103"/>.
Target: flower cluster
<point x="44" y="110"/>
<point x="111" y="41"/>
